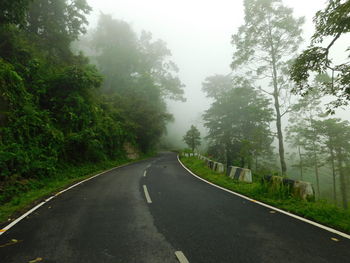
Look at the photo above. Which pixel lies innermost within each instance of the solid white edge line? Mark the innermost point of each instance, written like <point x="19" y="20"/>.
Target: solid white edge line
<point x="329" y="229"/>
<point x="21" y="217"/>
<point x="148" y="198"/>
<point x="6" y="228"/>
<point x="181" y="257"/>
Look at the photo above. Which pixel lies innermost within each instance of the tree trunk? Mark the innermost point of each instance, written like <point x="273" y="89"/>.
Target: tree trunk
<point x="278" y="111"/>
<point x="300" y="164"/>
<point x="228" y="157"/>
<point x="279" y="133"/>
<point x="242" y="162"/>
<point x="333" y="174"/>
<point x="317" y="173"/>
<point x="342" y="179"/>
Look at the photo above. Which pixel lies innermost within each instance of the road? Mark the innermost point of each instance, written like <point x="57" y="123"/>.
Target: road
<point x="129" y="215"/>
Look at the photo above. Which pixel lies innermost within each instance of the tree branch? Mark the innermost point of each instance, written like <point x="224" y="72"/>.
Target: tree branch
<point x="261" y="89"/>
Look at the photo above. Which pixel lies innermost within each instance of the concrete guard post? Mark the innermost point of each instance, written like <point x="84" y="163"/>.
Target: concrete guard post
<point x="215" y="166"/>
<point x="220" y="168"/>
<point x="303" y="190"/>
<point x="300" y="189"/>
<point x="240" y="174"/>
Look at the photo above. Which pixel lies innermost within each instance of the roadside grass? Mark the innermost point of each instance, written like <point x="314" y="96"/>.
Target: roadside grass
<point x="320" y="211"/>
<point x="23" y="194"/>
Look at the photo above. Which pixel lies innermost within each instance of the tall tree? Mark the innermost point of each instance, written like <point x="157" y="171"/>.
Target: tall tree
<point x="264" y="45"/>
<point x="192" y="138"/>
<point x="331" y="23"/>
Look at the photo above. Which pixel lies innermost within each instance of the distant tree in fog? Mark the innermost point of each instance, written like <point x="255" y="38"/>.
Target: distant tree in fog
<point x="192" y="138"/>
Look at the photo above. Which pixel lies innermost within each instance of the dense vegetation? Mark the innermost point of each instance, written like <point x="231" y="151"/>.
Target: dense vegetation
<point x="266" y="66"/>
<point x="58" y="110"/>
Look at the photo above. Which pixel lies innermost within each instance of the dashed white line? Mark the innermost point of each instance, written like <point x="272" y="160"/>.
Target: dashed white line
<point x="269" y="206"/>
<point x="181" y="257"/>
<point x="144" y="173"/>
<point x="148" y="198"/>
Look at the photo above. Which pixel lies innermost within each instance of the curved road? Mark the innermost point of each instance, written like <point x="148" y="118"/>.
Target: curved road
<point x="127" y="215"/>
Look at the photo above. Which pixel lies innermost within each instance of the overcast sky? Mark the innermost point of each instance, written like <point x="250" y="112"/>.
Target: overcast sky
<point x="198" y="33"/>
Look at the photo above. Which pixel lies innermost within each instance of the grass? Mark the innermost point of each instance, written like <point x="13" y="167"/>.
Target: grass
<point x="25" y="193"/>
<point x="319" y="211"/>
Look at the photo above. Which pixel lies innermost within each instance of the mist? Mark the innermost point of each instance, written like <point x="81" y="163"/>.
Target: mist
<point x="199" y="35"/>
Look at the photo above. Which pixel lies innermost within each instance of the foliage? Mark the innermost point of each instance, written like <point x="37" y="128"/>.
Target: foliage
<point x="55" y="24"/>
<point x="138" y="69"/>
<point x="332" y="22"/>
<point x="192" y="138"/>
<point x="123" y="57"/>
<point x="238" y="123"/>
<point x="13" y="11"/>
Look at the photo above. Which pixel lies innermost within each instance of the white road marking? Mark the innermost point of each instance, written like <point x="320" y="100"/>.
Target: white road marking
<point x="144" y="173"/>
<point x="269" y="206"/>
<point x="20" y="218"/>
<point x="148" y="198"/>
<point x="181" y="257"/>
<point x="6" y="228"/>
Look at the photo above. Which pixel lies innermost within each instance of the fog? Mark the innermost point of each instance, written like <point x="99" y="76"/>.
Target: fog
<point x="199" y="35"/>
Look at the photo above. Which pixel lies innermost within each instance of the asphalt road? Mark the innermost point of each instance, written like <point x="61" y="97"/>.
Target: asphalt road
<point x="110" y="219"/>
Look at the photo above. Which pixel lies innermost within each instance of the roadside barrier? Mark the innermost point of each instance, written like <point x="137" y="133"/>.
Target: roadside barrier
<point x="299" y="189"/>
<point x="240" y="174"/>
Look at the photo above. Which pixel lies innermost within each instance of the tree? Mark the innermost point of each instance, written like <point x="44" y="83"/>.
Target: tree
<point x="115" y="50"/>
<point x="13" y="11"/>
<point x="155" y="61"/>
<point x="238" y="122"/>
<point x="55" y="24"/>
<point x="122" y="57"/>
<point x="302" y="130"/>
<point x="217" y="85"/>
<point x="139" y="74"/>
<point x="331" y="23"/>
<point x="335" y="136"/>
<point x="192" y="138"/>
<point x="264" y="45"/>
